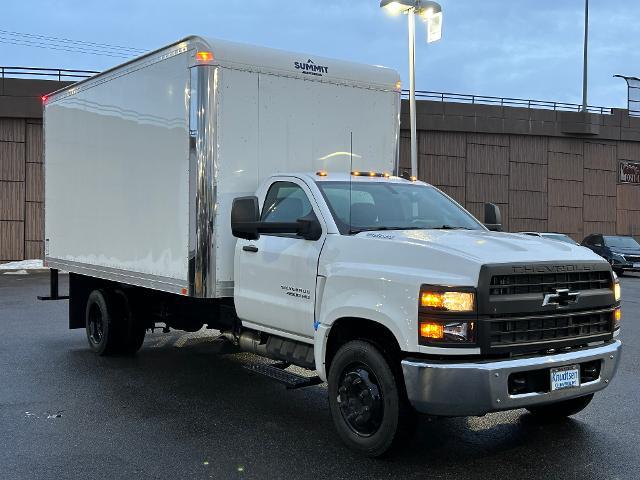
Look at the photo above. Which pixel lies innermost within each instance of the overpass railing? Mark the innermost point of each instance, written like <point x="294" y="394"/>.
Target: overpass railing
<point x="59" y="74"/>
<point x="503" y="101"/>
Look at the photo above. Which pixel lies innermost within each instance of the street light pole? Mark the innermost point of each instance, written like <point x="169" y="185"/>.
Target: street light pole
<point x="431" y="12"/>
<point x="412" y="92"/>
<point x="585" y="61"/>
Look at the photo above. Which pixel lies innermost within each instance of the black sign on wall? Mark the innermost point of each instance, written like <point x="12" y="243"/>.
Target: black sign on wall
<point x="629" y="172"/>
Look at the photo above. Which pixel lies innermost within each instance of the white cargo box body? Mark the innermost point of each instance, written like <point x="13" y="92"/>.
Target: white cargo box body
<point x="142" y="162"/>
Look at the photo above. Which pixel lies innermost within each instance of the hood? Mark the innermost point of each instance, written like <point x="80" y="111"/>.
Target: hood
<point x="485" y="247"/>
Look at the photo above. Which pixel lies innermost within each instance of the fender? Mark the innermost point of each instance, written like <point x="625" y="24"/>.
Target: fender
<point x="323" y="330"/>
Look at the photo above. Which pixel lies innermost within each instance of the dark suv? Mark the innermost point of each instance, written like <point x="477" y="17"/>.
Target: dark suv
<point x="623" y="253"/>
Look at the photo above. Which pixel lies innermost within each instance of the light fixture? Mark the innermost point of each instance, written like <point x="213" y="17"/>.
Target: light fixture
<point x="431" y="12"/>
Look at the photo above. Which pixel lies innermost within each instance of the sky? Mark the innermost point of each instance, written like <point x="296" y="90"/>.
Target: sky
<point x="507" y="48"/>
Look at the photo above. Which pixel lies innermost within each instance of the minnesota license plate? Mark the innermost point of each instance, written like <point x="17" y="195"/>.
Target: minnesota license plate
<point x="565" y="377"/>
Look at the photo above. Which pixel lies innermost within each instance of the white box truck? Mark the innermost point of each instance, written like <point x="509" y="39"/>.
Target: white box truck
<point x="253" y="191"/>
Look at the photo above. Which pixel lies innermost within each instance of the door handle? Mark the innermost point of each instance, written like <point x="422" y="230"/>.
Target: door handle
<point x="250" y="248"/>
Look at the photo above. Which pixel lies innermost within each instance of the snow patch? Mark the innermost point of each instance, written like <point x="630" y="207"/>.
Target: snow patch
<point x="22" y="265"/>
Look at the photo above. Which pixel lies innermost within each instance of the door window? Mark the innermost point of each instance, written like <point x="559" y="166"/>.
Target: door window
<point x="285" y="202"/>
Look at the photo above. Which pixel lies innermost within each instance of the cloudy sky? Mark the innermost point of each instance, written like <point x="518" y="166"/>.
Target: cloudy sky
<point x="510" y="48"/>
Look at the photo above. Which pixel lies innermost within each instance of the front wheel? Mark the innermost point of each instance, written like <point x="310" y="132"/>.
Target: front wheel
<point x="367" y="400"/>
<point x="560" y="410"/>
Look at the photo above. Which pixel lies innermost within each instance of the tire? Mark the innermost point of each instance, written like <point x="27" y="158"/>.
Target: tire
<point x="560" y="410"/>
<point x="101" y="325"/>
<point x="132" y="330"/>
<point x="367" y="400"/>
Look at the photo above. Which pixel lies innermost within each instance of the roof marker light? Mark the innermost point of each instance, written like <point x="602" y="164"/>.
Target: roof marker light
<point x="204" y="56"/>
<point x="321" y="173"/>
<point x="44" y="98"/>
<point x="357" y="173"/>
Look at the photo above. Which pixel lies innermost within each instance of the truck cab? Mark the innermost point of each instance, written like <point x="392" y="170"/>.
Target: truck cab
<point x="410" y="304"/>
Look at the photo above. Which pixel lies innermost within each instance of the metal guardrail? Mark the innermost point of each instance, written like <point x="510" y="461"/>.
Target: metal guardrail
<point x="504" y="101"/>
<point x="59" y="74"/>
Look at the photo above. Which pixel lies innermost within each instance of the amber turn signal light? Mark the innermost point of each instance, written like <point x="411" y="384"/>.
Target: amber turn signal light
<point x="432" y="330"/>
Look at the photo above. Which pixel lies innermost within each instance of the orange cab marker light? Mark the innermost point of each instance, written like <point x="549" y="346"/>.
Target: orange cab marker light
<point x="432" y="330"/>
<point x="355" y="174"/>
<point x="204" y="56"/>
<point x="413" y="179"/>
<point x="321" y="173"/>
<point x="386" y="174"/>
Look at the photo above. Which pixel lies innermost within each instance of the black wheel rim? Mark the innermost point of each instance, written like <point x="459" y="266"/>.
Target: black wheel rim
<point x="360" y="399"/>
<point x="96" y="325"/>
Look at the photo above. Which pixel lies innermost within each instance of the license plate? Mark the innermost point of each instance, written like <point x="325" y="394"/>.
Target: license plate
<point x="565" y="377"/>
<point x="636" y="265"/>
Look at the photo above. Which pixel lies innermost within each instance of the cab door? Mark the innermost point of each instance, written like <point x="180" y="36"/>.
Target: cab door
<point x="275" y="285"/>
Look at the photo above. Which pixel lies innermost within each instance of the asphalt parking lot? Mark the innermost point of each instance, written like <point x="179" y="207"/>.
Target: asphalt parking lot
<point x="176" y="410"/>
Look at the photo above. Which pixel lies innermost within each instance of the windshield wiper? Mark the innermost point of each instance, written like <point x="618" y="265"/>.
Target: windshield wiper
<point x="449" y="227"/>
<point x="377" y="229"/>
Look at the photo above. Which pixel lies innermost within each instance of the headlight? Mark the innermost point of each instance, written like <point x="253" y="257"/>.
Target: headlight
<point x="447" y="315"/>
<point x="447" y="332"/>
<point x="615" y="258"/>
<point x="451" y="301"/>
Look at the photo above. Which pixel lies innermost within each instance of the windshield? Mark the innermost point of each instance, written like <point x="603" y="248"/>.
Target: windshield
<point x="393" y="206"/>
<point x="621" y="242"/>
<point x="560" y="238"/>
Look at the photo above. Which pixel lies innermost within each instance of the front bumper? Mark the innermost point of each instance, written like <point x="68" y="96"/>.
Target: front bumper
<point x="625" y="266"/>
<point x="476" y="388"/>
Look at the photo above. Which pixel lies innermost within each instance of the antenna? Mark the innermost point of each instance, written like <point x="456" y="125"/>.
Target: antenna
<point x="350" y="179"/>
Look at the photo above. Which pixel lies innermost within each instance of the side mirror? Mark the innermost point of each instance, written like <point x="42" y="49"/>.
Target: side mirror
<point x="492" y="217"/>
<point x="309" y="227"/>
<point x="245" y="218"/>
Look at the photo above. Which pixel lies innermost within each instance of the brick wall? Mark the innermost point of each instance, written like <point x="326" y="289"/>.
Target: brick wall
<point x="567" y="185"/>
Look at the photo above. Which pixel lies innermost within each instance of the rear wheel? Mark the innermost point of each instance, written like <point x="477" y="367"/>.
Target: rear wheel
<point x="102" y="331"/>
<point x="367" y="400"/>
<point x="560" y="410"/>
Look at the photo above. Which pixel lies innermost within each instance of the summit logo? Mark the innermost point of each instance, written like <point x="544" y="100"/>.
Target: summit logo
<point x="310" y="68"/>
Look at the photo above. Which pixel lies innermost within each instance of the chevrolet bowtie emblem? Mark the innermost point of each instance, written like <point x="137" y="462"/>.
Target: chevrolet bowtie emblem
<point x="560" y="298"/>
